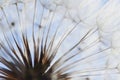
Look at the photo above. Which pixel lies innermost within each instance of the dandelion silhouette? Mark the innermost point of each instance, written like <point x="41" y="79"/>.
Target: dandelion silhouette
<point x="33" y="54"/>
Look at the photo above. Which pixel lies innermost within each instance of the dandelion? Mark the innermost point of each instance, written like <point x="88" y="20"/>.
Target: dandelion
<point x="57" y="43"/>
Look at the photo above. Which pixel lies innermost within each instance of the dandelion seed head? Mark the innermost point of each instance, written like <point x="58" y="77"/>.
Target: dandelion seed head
<point x="56" y="34"/>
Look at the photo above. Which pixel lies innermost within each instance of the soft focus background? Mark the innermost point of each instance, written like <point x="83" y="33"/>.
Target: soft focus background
<point x="99" y="52"/>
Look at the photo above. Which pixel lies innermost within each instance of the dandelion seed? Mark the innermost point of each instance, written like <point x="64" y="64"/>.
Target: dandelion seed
<point x="12" y="23"/>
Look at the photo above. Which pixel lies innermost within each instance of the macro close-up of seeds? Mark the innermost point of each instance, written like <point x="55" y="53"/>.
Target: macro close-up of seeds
<point x="59" y="40"/>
